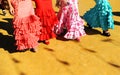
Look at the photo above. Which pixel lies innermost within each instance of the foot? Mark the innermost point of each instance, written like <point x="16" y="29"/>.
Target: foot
<point x="77" y="39"/>
<point x="33" y="50"/>
<point x="106" y="33"/>
<point x="46" y="42"/>
<point x="89" y="26"/>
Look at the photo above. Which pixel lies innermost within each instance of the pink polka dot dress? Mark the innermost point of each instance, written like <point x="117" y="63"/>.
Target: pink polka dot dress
<point x="70" y="20"/>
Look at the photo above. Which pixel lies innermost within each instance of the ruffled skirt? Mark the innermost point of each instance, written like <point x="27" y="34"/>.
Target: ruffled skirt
<point x="70" y="20"/>
<point x="48" y="19"/>
<point x="26" y="32"/>
<point x="100" y="16"/>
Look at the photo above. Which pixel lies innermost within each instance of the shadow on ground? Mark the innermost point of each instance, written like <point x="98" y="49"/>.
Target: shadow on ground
<point x="7" y="25"/>
<point x="7" y="41"/>
<point x="58" y="59"/>
<point x="117" y="23"/>
<point x="91" y="31"/>
<point x="116" y="13"/>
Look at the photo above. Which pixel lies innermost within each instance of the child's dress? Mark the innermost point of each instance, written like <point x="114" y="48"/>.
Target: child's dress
<point x="100" y="15"/>
<point x="70" y="20"/>
<point x="48" y="18"/>
<point x="26" y="24"/>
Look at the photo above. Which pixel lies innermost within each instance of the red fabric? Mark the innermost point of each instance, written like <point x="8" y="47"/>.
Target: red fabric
<point x="48" y="18"/>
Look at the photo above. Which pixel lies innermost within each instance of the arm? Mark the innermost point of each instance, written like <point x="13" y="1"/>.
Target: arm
<point x="11" y="9"/>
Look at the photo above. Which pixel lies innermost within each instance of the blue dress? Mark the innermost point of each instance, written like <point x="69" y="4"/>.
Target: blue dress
<point x="100" y="15"/>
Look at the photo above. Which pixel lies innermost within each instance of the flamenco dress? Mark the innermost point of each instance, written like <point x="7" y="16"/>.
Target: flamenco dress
<point x="70" y="20"/>
<point x="100" y="15"/>
<point x="48" y="19"/>
<point x="26" y="25"/>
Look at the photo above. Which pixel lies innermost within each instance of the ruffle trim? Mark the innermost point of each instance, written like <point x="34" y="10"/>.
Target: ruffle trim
<point x="76" y="30"/>
<point x="47" y="17"/>
<point x="47" y="36"/>
<point x="102" y="11"/>
<point x="26" y="31"/>
<point x="74" y="35"/>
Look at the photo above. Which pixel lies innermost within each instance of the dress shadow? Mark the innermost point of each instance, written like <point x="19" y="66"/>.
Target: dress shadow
<point x="116" y="13"/>
<point x="7" y="40"/>
<point x="91" y="31"/>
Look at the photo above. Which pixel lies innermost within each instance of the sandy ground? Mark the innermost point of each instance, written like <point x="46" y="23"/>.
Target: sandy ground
<point x="93" y="55"/>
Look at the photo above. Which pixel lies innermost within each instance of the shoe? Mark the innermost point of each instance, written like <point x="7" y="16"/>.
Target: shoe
<point x="77" y="39"/>
<point x="33" y="50"/>
<point x="46" y="42"/>
<point x="4" y="12"/>
<point x="106" y="33"/>
<point x="89" y="26"/>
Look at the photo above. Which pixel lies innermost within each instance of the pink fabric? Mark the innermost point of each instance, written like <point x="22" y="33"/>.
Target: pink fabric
<point x="69" y="19"/>
<point x="26" y="25"/>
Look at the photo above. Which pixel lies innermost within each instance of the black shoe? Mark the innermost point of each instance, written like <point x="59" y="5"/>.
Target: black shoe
<point x="106" y="33"/>
<point x="89" y="26"/>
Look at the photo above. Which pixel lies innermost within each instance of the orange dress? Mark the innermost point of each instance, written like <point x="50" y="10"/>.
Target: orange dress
<point x="48" y="18"/>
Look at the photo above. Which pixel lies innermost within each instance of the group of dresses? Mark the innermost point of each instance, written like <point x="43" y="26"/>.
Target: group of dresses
<point x="43" y="24"/>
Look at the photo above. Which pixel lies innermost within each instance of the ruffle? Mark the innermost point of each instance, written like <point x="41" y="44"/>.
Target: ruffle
<point x="76" y="30"/>
<point x="46" y="34"/>
<point x="48" y="19"/>
<point x="26" y="31"/>
<point x="100" y="15"/>
<point x="69" y="19"/>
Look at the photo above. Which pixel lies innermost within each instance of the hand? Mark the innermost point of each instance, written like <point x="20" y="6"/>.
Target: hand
<point x="64" y="2"/>
<point x="58" y="3"/>
<point x="11" y="10"/>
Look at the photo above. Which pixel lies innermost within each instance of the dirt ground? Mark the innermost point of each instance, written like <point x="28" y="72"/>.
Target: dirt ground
<point x="93" y="55"/>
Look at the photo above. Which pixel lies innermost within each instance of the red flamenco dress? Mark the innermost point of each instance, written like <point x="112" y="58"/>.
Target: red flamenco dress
<point x="26" y="24"/>
<point x="48" y="18"/>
